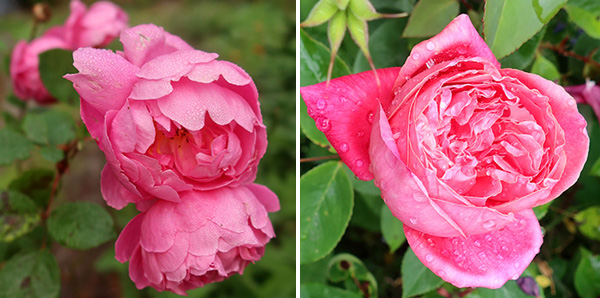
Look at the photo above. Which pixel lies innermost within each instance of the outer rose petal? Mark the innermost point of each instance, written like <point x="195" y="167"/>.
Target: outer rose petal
<point x="345" y="111"/>
<point x="145" y="42"/>
<point x="564" y="109"/>
<point x="458" y="39"/>
<point x="265" y="196"/>
<point x="484" y="260"/>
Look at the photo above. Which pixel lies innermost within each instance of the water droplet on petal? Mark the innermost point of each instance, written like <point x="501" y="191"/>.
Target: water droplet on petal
<point x="481" y="255"/>
<point x="455" y="241"/>
<point x="323" y="124"/>
<point x="490" y="224"/>
<point x="344" y="147"/>
<point x="441" y="273"/>
<point x="477" y="243"/>
<point x="359" y="163"/>
<point x="429" y="63"/>
<point x="321" y="104"/>
<point x="360" y="134"/>
<point x="429" y="258"/>
<point x="488" y="238"/>
<point x="431" y="46"/>
<point x="396" y="135"/>
<point x="413" y="220"/>
<point x="359" y="103"/>
<point x="383" y="185"/>
<point x="370" y="118"/>
<point x="416" y="56"/>
<point x="517" y="265"/>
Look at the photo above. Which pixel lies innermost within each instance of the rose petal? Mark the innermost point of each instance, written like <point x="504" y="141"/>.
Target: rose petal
<point x="484" y="260"/>
<point x="129" y="239"/>
<point x="143" y="43"/>
<point x="345" y="109"/>
<point x="265" y="196"/>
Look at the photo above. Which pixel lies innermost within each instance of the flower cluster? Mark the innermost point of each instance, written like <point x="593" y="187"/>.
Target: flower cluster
<point x="182" y="134"/>
<point x="95" y="27"/>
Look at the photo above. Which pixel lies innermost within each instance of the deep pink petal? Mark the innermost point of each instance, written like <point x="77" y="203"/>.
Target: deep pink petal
<point x="564" y="109"/>
<point x="459" y="40"/>
<point x="145" y="42"/>
<point x="484" y="260"/>
<point x="174" y="64"/>
<point x="129" y="239"/>
<point x="113" y="192"/>
<point x="105" y="79"/>
<point x="345" y="109"/>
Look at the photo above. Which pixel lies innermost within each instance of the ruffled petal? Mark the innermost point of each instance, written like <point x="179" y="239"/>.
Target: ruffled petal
<point x="484" y="260"/>
<point x="265" y="196"/>
<point x="129" y="239"/>
<point x="345" y="109"/>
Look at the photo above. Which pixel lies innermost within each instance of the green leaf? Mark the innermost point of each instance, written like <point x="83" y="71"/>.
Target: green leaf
<point x="524" y="56"/>
<point x="388" y="49"/>
<point x="314" y="272"/>
<point x="10" y="121"/>
<point x="314" y="60"/>
<point x="366" y="188"/>
<point x="81" y="225"/>
<point x="18" y="215"/>
<point x="429" y="17"/>
<point x="589" y="222"/>
<point x="34" y="183"/>
<point x="13" y="146"/>
<point x="542" y="210"/>
<point x="587" y="275"/>
<point x="326" y="200"/>
<point x="546" y="9"/>
<point x="392" y="229"/>
<point x="507" y="24"/>
<point x="586" y="14"/>
<point x="509" y="290"/>
<point x="545" y="68"/>
<point x="35" y="274"/>
<point x="54" y="64"/>
<point x="349" y="269"/>
<point x="366" y="212"/>
<point x="416" y="278"/>
<point x="52" y="154"/>
<point x="49" y="126"/>
<point x="314" y="290"/>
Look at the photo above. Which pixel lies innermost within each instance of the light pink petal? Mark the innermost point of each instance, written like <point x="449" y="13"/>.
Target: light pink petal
<point x="123" y="133"/>
<point x="129" y="239"/>
<point x="173" y="258"/>
<point x="459" y="40"/>
<point x="210" y="72"/>
<point x="159" y="227"/>
<point x="104" y="80"/>
<point x="400" y="189"/>
<point x="174" y="65"/>
<point x="265" y="196"/>
<point x="564" y="109"/>
<point x="345" y="109"/>
<point x="151" y="89"/>
<point x="145" y="130"/>
<point x="113" y="192"/>
<point x="484" y="260"/>
<point x="145" y="42"/>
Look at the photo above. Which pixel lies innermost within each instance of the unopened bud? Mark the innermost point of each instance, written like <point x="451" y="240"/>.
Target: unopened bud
<point x="41" y="12"/>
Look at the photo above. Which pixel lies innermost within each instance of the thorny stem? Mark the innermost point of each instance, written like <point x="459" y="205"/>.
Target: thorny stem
<point x="309" y="159"/>
<point x="560" y="48"/>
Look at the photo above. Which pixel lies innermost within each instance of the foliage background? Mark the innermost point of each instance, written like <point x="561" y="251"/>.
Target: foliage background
<point x="364" y="253"/>
<point x="257" y="35"/>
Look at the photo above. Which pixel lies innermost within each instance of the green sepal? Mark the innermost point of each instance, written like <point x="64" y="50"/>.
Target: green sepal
<point x="321" y="13"/>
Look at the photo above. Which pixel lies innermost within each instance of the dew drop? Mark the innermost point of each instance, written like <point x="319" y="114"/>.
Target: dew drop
<point x="481" y="255"/>
<point x="517" y="265"/>
<point x="396" y="135"/>
<point x="477" y="243"/>
<point x="344" y="147"/>
<point x="429" y="63"/>
<point x="370" y="118"/>
<point x="416" y="56"/>
<point x="431" y="46"/>
<point x="490" y="224"/>
<point x="413" y="220"/>
<point x="359" y="163"/>
<point x="321" y="104"/>
<point x="461" y="50"/>
<point x="359" y="103"/>
<point x="429" y="258"/>
<point x="488" y="238"/>
<point x="323" y="124"/>
<point x="455" y="241"/>
<point x="504" y="248"/>
<point x="383" y="185"/>
<point x="360" y="134"/>
<point x="441" y="273"/>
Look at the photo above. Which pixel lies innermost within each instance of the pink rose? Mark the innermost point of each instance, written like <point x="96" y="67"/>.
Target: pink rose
<point x="207" y="237"/>
<point x="96" y="27"/>
<point x="169" y="118"/>
<point x="461" y="149"/>
<point x="588" y="93"/>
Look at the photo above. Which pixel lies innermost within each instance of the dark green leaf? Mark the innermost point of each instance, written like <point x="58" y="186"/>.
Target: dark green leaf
<point x="34" y="183"/>
<point x="314" y="272"/>
<point x="350" y="270"/>
<point x="587" y="275"/>
<point x="545" y="68"/>
<point x="10" y="121"/>
<point x="542" y="210"/>
<point x="388" y="49"/>
<point x="81" y="225"/>
<point x="17" y="102"/>
<point x="314" y="61"/>
<point x="586" y="14"/>
<point x="54" y="64"/>
<point x="523" y="57"/>
<point x="49" y="126"/>
<point x="507" y="24"/>
<point x="52" y="154"/>
<point x="392" y="229"/>
<point x="366" y="212"/>
<point x="13" y="146"/>
<point x="589" y="222"/>
<point x="509" y="290"/>
<point x="18" y="215"/>
<point x="366" y="188"/>
<point x="416" y="278"/>
<point x="429" y="17"/>
<point x="32" y="275"/>
<point x="315" y="290"/>
<point x="326" y="200"/>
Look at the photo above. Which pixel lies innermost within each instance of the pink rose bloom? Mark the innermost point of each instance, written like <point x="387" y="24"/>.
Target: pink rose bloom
<point x="169" y="118"/>
<point x="588" y="93"/>
<point x="207" y="237"/>
<point x="96" y="27"/>
<point x="461" y="149"/>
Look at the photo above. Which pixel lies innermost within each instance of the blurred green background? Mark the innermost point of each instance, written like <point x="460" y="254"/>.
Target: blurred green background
<point x="259" y="36"/>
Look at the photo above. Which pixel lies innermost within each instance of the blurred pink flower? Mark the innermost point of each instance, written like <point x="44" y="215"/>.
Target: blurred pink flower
<point x="588" y="93"/>
<point x="96" y="27"/>
<point x="207" y="237"/>
<point x="461" y="149"/>
<point x="169" y="118"/>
